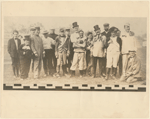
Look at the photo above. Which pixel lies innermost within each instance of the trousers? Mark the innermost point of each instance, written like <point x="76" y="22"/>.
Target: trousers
<point x="79" y="59"/>
<point x="47" y="61"/>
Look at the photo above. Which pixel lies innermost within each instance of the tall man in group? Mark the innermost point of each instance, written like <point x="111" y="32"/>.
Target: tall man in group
<point x="38" y="50"/>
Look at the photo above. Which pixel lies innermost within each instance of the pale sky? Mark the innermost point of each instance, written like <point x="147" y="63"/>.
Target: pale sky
<point x="138" y="25"/>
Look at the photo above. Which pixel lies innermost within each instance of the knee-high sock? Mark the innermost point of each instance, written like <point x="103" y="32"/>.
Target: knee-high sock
<point x="72" y="73"/>
<point x="81" y="72"/>
<point x="108" y="72"/>
<point x="115" y="72"/>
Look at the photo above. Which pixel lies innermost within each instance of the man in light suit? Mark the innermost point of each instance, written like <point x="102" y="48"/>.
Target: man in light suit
<point x="13" y="46"/>
<point x="38" y="50"/>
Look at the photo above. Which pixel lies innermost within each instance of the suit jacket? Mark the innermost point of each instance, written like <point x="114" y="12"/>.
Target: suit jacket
<point x="108" y="34"/>
<point x="37" y="45"/>
<point x="12" y="50"/>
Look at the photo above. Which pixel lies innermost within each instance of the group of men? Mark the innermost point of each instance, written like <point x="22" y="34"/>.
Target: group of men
<point x="76" y="51"/>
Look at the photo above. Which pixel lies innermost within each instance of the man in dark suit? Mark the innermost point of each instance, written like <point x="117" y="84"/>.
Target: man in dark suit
<point x="13" y="46"/>
<point x="53" y="36"/>
<point x="107" y="34"/>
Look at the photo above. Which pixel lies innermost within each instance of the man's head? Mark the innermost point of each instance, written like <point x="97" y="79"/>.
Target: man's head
<point x="67" y="32"/>
<point x="132" y="53"/>
<point x="32" y="30"/>
<point x="89" y="35"/>
<point x="127" y="27"/>
<point x="52" y="31"/>
<point x="37" y="31"/>
<point x="75" y="26"/>
<point x="114" y="32"/>
<point x="97" y="30"/>
<point x="20" y="37"/>
<point x="62" y="32"/>
<point x="45" y="34"/>
<point x="106" y="26"/>
<point x="15" y="34"/>
<point x="81" y="34"/>
<point x="27" y="40"/>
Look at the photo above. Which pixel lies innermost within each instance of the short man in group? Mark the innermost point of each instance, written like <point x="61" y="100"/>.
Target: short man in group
<point x="25" y="54"/>
<point x="38" y="51"/>
<point x="54" y="59"/>
<point x="62" y="50"/>
<point x="32" y="31"/>
<point x="47" y="60"/>
<point x="128" y="42"/>
<point x="13" y="46"/>
<point x="79" y="58"/>
<point x="99" y="46"/>
<point x="132" y="68"/>
<point x="107" y="34"/>
<point x="89" y="55"/>
<point x="113" y="53"/>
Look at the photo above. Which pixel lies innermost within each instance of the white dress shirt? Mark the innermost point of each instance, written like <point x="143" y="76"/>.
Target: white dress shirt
<point x="48" y="42"/>
<point x="128" y="42"/>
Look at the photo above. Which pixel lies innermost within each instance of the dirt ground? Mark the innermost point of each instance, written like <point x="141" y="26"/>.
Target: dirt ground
<point x="8" y="76"/>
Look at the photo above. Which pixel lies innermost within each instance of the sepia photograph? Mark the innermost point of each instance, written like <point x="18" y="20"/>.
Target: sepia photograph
<point x="57" y="51"/>
<point x="74" y="59"/>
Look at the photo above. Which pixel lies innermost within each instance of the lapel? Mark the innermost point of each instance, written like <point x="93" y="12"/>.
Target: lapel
<point x="13" y="41"/>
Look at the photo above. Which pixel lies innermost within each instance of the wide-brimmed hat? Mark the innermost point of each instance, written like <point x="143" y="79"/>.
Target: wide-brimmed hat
<point x="96" y="27"/>
<point x="45" y="32"/>
<point x="32" y="28"/>
<point x="75" y="24"/>
<point x="127" y="24"/>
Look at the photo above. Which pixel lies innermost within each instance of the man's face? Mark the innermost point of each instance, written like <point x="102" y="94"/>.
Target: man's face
<point x="32" y="32"/>
<point x="90" y="36"/>
<point x="37" y="32"/>
<point x="15" y="34"/>
<point x="132" y="54"/>
<point x="76" y="28"/>
<point x="62" y="33"/>
<point x="67" y="32"/>
<point x="127" y="28"/>
<point x="52" y="31"/>
<point x="106" y="28"/>
<point x="81" y="34"/>
<point x="98" y="32"/>
<point x="45" y="35"/>
<point x="118" y="33"/>
<point x="113" y="34"/>
<point x="26" y="42"/>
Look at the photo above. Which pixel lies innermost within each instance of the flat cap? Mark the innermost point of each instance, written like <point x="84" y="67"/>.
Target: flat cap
<point x="106" y="24"/>
<point x="37" y="27"/>
<point x="61" y="30"/>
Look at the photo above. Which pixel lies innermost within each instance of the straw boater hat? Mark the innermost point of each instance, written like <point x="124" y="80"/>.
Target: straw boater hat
<point x="32" y="28"/>
<point x="45" y="32"/>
